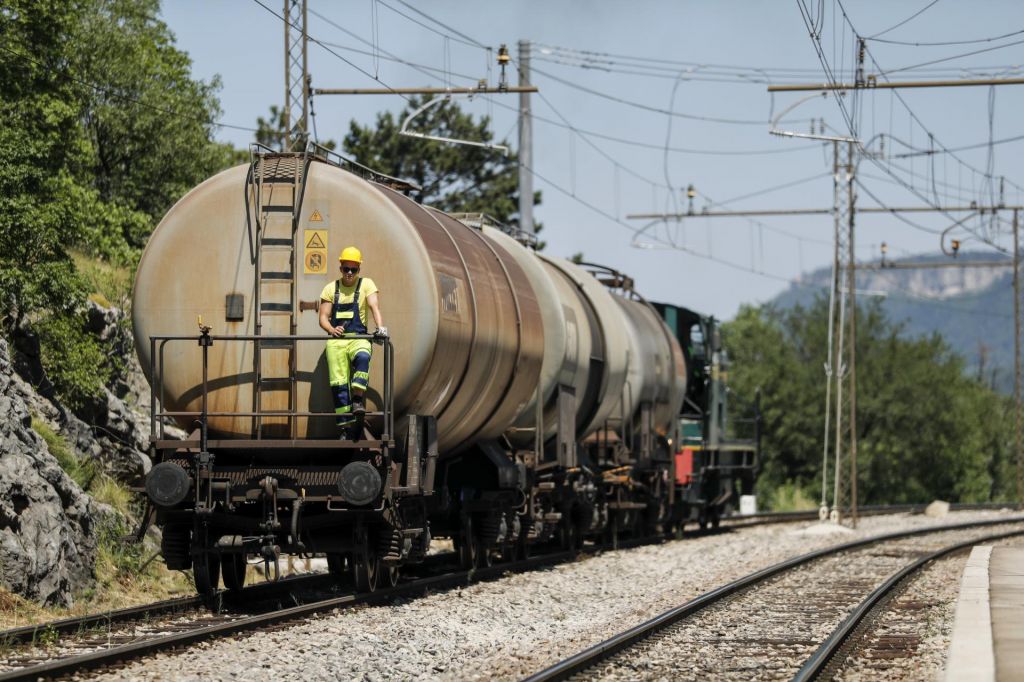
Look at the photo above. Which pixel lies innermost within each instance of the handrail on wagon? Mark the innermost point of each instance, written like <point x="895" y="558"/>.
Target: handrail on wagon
<point x="157" y="346"/>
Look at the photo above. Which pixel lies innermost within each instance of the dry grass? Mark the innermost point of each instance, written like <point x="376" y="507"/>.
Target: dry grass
<point x="113" y="591"/>
<point x="126" y="574"/>
<point x="111" y="284"/>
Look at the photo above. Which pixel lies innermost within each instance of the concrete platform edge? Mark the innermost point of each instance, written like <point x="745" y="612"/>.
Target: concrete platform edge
<point x="971" y="654"/>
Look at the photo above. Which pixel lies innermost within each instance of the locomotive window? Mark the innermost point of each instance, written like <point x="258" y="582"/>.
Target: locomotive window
<point x="234" y="307"/>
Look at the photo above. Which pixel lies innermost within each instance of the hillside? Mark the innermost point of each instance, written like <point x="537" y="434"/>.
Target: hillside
<point x="971" y="307"/>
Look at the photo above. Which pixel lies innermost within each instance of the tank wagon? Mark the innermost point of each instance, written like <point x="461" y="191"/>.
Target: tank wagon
<point x="521" y="399"/>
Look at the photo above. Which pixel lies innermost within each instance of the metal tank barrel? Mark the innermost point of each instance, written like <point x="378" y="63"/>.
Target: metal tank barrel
<point x="465" y="321"/>
<point x="482" y="326"/>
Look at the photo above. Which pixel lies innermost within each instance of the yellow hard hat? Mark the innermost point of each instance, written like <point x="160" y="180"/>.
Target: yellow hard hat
<point x="351" y="253"/>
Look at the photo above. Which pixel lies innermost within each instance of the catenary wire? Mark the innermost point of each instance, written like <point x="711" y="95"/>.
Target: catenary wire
<point x="950" y="58"/>
<point x="908" y="19"/>
<point x="944" y="43"/>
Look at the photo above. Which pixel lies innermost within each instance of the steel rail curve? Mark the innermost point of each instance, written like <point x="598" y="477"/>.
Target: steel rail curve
<point x="826" y="654"/>
<point x="603" y="650"/>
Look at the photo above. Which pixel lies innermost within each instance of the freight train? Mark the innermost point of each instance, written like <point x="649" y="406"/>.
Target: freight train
<point x="521" y="401"/>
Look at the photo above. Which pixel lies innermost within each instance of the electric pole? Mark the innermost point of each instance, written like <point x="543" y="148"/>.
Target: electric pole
<point x="1016" y="353"/>
<point x="295" y="114"/>
<point x="525" y="142"/>
<point x="843" y="359"/>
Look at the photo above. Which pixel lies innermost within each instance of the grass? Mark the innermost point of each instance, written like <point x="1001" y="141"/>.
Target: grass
<point x="789" y="496"/>
<point x="82" y="473"/>
<point x="111" y="284"/>
<point x="127" y="574"/>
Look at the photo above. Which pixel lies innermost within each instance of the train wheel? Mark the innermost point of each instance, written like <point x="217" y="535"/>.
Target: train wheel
<point x="484" y="555"/>
<point x="469" y="546"/>
<point x="337" y="568"/>
<point x="715" y="519"/>
<point x="523" y="547"/>
<point x="365" y="565"/>
<point x="232" y="567"/>
<point x="387" y="575"/>
<point x="206" y="573"/>
<point x="571" y="536"/>
<point x="365" y="572"/>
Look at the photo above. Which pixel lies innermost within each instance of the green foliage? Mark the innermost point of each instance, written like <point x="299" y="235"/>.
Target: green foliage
<point x="270" y="132"/>
<point x="103" y="129"/>
<point x="787" y="496"/>
<point x="74" y="359"/>
<point x="925" y="429"/>
<point x="108" y="284"/>
<point x="117" y="560"/>
<point x="149" y="127"/>
<point x="454" y="178"/>
<point x="81" y="472"/>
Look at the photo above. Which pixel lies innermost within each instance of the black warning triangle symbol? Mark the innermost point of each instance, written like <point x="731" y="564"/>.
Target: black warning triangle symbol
<point x="316" y="217"/>
<point x="315" y="242"/>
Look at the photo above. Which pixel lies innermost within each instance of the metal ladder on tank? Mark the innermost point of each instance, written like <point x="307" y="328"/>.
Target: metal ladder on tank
<point x="275" y="186"/>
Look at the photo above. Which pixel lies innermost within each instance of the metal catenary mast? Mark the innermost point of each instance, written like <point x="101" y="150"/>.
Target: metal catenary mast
<point x="295" y="115"/>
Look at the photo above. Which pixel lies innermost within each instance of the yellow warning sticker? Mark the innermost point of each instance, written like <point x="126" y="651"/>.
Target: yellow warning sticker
<point x="316" y="241"/>
<point x="314" y="255"/>
<point x="316" y="217"/>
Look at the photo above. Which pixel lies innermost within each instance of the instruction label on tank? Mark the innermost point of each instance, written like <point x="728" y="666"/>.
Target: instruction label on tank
<point x="314" y="252"/>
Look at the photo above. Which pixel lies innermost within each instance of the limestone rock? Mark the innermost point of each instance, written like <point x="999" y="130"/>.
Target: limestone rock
<point x="48" y="525"/>
<point x="111" y="430"/>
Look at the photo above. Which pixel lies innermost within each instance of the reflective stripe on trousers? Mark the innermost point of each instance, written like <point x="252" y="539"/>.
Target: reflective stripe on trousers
<point x="348" y="366"/>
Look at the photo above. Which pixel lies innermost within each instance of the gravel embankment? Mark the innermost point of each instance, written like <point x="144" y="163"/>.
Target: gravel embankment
<point x="511" y="627"/>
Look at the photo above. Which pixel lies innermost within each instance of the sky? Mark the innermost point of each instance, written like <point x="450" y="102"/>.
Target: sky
<point x="690" y="77"/>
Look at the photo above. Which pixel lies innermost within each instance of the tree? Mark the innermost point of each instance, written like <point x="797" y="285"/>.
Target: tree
<point x="103" y="130"/>
<point x="270" y="131"/>
<point x="453" y="178"/>
<point x="148" y="125"/>
<point x="925" y="428"/>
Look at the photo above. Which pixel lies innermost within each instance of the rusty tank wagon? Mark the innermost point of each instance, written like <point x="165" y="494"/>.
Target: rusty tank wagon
<point x="521" y="399"/>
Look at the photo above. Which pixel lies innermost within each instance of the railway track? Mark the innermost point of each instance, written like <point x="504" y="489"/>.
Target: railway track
<point x="98" y="640"/>
<point x="794" y="617"/>
<point x="167" y="634"/>
<point x="103" y="620"/>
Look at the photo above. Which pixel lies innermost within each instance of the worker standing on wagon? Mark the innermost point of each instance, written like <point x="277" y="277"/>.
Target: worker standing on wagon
<point x="343" y="307"/>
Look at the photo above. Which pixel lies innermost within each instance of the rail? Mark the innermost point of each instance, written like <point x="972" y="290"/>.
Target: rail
<point x="158" y="399"/>
<point x="593" y="655"/>
<point x="828" y="654"/>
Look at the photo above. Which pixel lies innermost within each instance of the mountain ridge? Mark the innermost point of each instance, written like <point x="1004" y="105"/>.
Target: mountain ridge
<point x="971" y="307"/>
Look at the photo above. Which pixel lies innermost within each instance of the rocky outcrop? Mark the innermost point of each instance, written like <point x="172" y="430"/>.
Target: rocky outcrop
<point x="109" y="430"/>
<point x="48" y="525"/>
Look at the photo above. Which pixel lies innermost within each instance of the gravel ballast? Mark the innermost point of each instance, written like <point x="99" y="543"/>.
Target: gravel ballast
<point x="514" y="626"/>
<point x="910" y="639"/>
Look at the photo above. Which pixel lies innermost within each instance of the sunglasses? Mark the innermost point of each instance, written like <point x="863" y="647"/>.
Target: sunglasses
<point x="349" y="271"/>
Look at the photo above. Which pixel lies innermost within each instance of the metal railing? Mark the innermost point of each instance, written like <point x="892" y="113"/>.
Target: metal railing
<point x="158" y="399"/>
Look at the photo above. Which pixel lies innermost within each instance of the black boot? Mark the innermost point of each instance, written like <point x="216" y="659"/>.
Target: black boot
<point x="359" y="408"/>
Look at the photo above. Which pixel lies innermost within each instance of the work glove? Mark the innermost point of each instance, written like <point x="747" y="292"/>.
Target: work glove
<point x="381" y="333"/>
